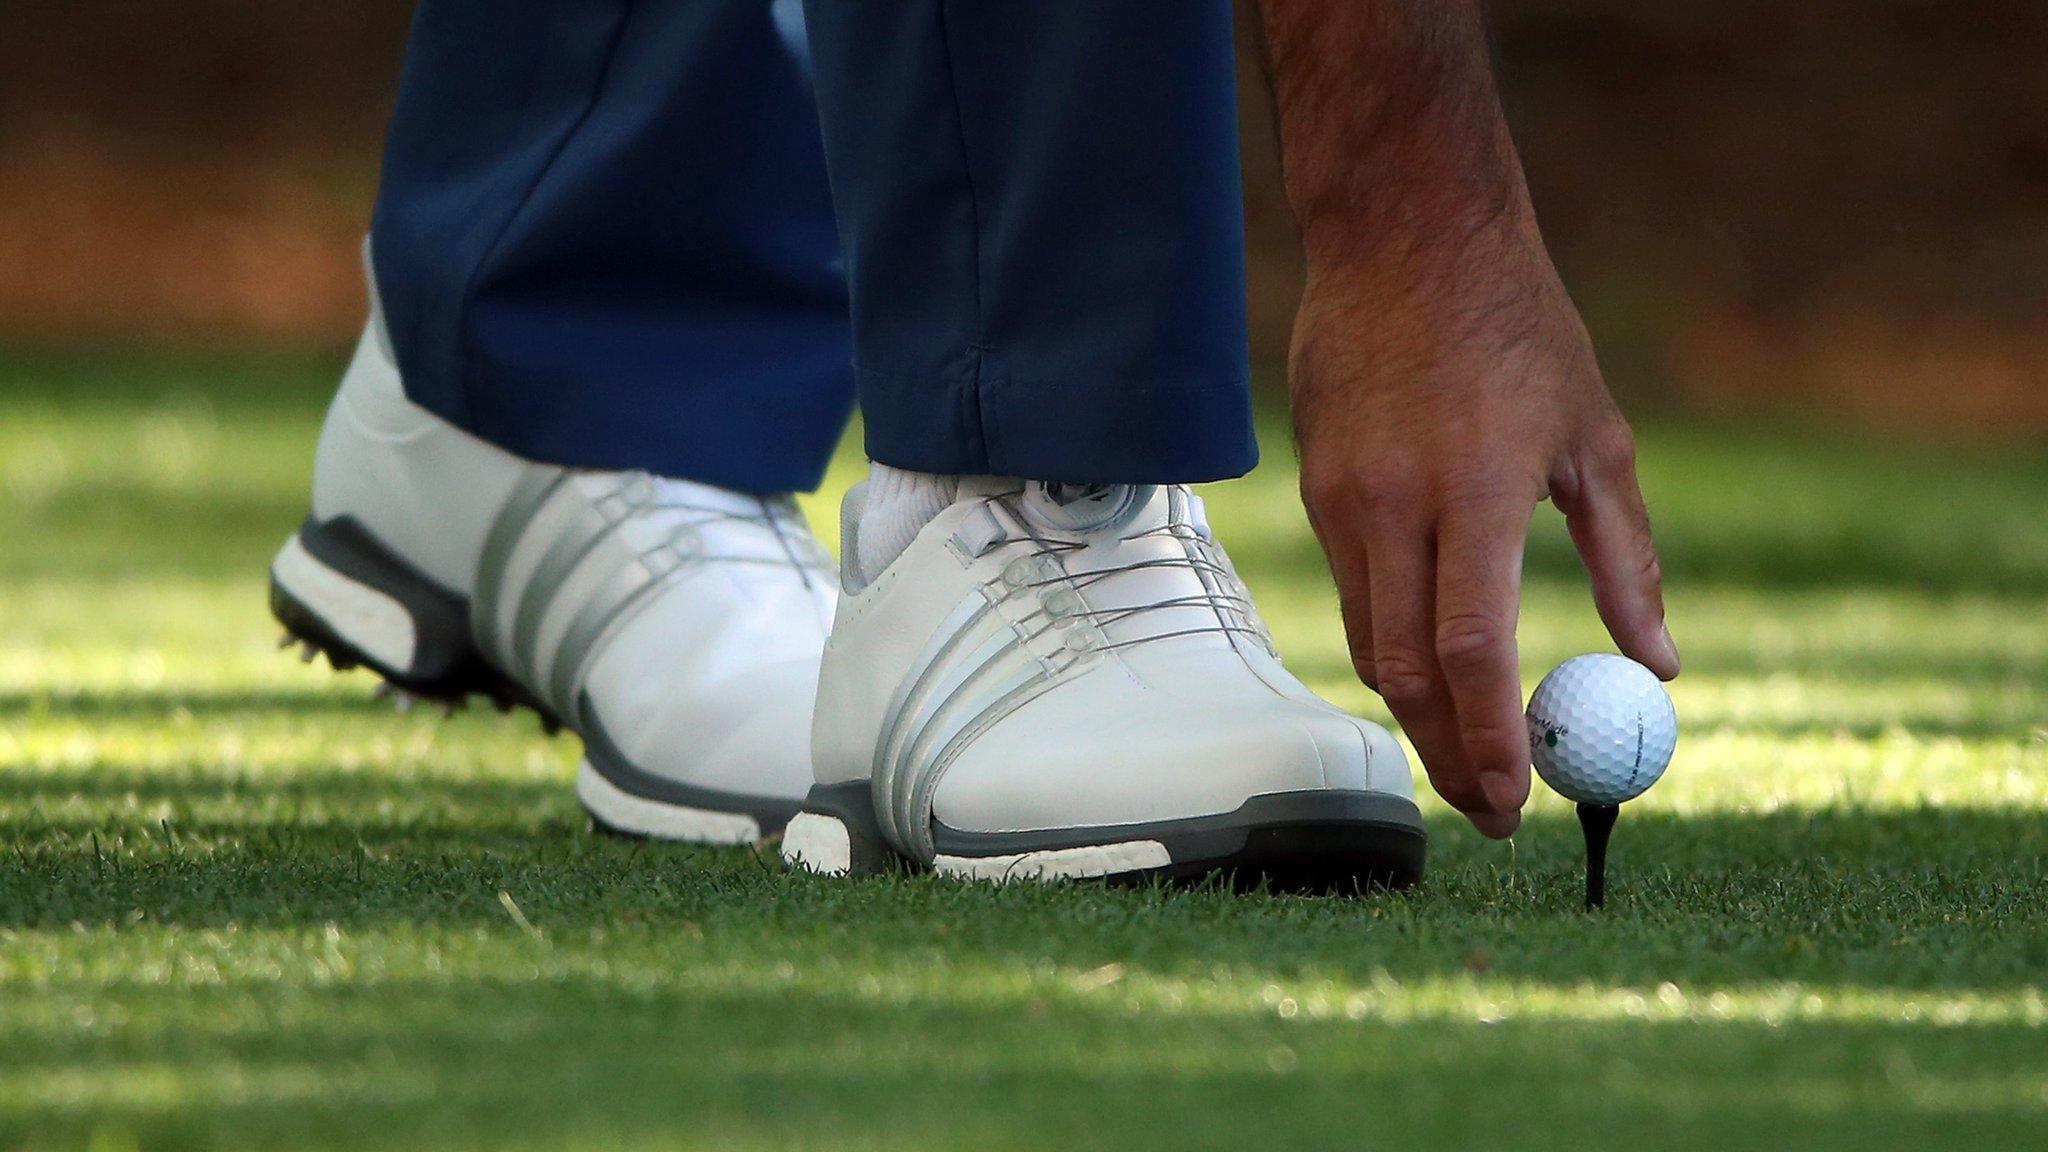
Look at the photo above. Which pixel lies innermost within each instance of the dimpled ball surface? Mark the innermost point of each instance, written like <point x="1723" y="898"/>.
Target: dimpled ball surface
<point x="1601" y="729"/>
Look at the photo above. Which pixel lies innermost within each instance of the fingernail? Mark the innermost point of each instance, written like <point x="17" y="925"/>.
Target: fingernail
<point x="1670" y="647"/>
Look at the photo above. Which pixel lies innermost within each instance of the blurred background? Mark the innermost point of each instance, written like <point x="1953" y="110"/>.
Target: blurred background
<point x="1823" y="211"/>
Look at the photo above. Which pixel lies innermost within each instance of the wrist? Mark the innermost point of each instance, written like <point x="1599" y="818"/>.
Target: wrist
<point x="1422" y="237"/>
<point x="1453" y="280"/>
<point x="1445" y="306"/>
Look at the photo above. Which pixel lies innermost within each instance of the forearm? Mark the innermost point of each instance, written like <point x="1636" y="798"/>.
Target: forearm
<point x="1394" y="146"/>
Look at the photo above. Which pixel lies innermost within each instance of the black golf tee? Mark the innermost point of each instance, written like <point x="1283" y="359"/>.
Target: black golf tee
<point x="1598" y="822"/>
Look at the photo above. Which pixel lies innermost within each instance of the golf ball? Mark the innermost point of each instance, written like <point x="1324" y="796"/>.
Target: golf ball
<point x="1601" y="729"/>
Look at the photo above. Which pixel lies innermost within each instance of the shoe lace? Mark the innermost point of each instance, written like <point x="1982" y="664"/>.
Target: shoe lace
<point x="1223" y="593"/>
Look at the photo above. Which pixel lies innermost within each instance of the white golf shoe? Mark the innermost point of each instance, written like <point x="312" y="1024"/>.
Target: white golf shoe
<point x="675" y="626"/>
<point x="1056" y="682"/>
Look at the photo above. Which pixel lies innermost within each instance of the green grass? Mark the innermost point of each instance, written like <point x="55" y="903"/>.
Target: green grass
<point x="241" y="906"/>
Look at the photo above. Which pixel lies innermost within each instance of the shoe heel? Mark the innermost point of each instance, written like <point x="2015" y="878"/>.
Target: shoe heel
<point x="836" y="834"/>
<point x="337" y="590"/>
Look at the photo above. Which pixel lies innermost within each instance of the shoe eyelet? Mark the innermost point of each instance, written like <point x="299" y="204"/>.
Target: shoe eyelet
<point x="1083" y="640"/>
<point x="1019" y="573"/>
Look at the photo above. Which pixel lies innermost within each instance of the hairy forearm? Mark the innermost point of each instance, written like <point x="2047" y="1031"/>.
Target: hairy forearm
<point x="1393" y="141"/>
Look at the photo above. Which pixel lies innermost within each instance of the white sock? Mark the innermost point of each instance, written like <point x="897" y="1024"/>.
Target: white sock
<point x="899" y="504"/>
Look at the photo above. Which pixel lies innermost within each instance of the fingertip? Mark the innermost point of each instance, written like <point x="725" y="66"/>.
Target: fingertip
<point x="1505" y="791"/>
<point x="1503" y="794"/>
<point x="1495" y="825"/>
<point x="1651" y="646"/>
<point x="1664" y="659"/>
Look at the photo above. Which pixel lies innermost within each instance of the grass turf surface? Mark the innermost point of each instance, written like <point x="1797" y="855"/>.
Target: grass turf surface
<point x="243" y="906"/>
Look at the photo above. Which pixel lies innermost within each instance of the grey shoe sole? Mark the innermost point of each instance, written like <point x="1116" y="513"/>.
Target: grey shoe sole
<point x="1306" y="841"/>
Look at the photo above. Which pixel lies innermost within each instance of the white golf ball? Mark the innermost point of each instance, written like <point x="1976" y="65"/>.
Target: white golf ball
<point x="1601" y="729"/>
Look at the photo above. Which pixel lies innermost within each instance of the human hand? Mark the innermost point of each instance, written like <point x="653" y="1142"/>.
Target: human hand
<point x="1438" y="397"/>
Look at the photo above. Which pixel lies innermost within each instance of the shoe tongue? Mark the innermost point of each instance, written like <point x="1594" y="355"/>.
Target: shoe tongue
<point x="1083" y="508"/>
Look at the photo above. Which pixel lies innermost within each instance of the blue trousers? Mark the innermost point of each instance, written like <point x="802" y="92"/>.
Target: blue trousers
<point x="681" y="236"/>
